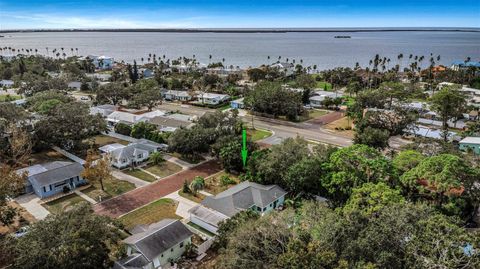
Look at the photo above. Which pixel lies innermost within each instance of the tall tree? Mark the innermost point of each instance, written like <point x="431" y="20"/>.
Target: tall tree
<point x="97" y="170"/>
<point x="448" y="103"/>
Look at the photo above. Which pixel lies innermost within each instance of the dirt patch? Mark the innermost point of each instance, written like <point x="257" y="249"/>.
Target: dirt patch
<point x="328" y="118"/>
<point x="24" y="219"/>
<point x="341" y="126"/>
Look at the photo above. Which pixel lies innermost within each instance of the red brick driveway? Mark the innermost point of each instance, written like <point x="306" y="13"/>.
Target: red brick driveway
<point x="129" y="201"/>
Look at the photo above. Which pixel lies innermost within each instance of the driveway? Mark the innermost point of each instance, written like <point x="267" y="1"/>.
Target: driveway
<point x="183" y="204"/>
<point x="31" y="203"/>
<point x="131" y="200"/>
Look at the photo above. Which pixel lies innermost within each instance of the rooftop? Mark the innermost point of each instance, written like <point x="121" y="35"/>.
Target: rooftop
<point x="471" y="140"/>
<point x="52" y="172"/>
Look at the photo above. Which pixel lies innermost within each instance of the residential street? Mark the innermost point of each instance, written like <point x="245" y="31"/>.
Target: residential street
<point x="131" y="200"/>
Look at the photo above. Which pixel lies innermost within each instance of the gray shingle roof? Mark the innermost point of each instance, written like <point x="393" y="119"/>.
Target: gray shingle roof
<point x="52" y="172"/>
<point x="135" y="261"/>
<point x="242" y="197"/>
<point x="159" y="237"/>
<point x="207" y="215"/>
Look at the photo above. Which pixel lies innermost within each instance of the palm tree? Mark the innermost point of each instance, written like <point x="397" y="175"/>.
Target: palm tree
<point x="197" y="184"/>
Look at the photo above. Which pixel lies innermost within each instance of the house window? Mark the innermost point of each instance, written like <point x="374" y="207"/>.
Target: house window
<point x="44" y="189"/>
<point x="50" y="187"/>
<point x="181" y="245"/>
<point x="139" y="156"/>
<point x="171" y="250"/>
<point x="259" y="209"/>
<point x="162" y="255"/>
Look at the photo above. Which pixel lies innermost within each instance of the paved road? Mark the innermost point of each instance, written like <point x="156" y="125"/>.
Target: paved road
<point x="131" y="200"/>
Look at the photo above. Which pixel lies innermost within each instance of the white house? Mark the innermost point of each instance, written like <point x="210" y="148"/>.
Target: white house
<point x="319" y="96"/>
<point x="212" y="98"/>
<point x="103" y="110"/>
<point x="173" y="95"/>
<point x="122" y="156"/>
<point x="130" y="118"/>
<point x="287" y="68"/>
<point x="7" y="83"/>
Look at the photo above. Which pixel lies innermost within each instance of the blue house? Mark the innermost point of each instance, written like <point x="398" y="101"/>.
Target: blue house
<point x="237" y="104"/>
<point x="52" y="178"/>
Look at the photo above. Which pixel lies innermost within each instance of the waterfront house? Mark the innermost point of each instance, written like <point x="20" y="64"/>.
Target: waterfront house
<point x="123" y="156"/>
<point x="244" y="196"/>
<point x="237" y="104"/>
<point x="173" y="95"/>
<point x="211" y="98"/>
<point x="287" y="68"/>
<point x="155" y="245"/>
<point x="462" y="65"/>
<point x="52" y="178"/>
<point x="470" y="143"/>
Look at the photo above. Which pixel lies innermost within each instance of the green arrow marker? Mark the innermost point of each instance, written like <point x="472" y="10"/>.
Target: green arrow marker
<point x="244" y="147"/>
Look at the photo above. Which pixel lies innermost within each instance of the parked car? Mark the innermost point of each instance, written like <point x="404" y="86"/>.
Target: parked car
<point x="21" y="232"/>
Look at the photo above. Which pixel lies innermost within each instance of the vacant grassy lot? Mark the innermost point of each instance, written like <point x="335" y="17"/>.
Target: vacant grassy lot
<point x="191" y="197"/>
<point x="164" y="169"/>
<point x="214" y="185"/>
<point x="63" y="204"/>
<point x="342" y="126"/>
<point x="102" y="140"/>
<point x="161" y="209"/>
<point x="9" y="97"/>
<point x="45" y="156"/>
<point x="113" y="187"/>
<point x="139" y="174"/>
<point x="315" y="113"/>
<point x="257" y="134"/>
<point x="189" y="159"/>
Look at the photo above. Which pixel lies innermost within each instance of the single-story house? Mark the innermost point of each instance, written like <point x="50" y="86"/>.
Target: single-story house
<point x="423" y="131"/>
<point x="212" y="98"/>
<point x="156" y="245"/>
<point x="100" y="76"/>
<point x="7" y="83"/>
<point x="470" y="142"/>
<point x="19" y="102"/>
<point x="103" y="110"/>
<point x="123" y="156"/>
<point x="319" y="96"/>
<point x="169" y="124"/>
<point x="52" y="178"/>
<point x="287" y="68"/>
<point x="462" y="65"/>
<point x="172" y="95"/>
<point x="244" y="196"/>
<point x="124" y="117"/>
<point x="237" y="104"/>
<point x="146" y="72"/>
<point x="74" y="85"/>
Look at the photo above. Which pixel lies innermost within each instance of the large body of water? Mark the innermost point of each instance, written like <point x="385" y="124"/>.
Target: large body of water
<point x="252" y="49"/>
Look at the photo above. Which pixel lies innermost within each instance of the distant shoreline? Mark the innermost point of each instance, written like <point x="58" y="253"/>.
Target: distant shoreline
<point x="250" y="30"/>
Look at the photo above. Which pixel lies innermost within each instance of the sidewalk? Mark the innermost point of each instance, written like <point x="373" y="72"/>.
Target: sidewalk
<point x="183" y="204"/>
<point x="177" y="161"/>
<point x="69" y="155"/>
<point x="84" y="196"/>
<point x="120" y="136"/>
<point x="31" y="203"/>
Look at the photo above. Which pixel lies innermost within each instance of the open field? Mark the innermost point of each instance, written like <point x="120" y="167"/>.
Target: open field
<point x="161" y="209"/>
<point x="164" y="169"/>
<point x="113" y="187"/>
<point x="63" y="204"/>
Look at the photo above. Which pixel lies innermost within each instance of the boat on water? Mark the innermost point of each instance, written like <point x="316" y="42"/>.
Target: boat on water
<point x="343" y="36"/>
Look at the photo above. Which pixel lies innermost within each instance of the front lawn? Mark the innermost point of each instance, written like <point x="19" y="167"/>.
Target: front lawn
<point x="321" y="85"/>
<point x="161" y="209"/>
<point x="315" y="113"/>
<point x="214" y="184"/>
<point x="139" y="174"/>
<point x="63" y="204"/>
<point x="257" y="134"/>
<point x="9" y="97"/>
<point x="164" y="169"/>
<point x="113" y="187"/>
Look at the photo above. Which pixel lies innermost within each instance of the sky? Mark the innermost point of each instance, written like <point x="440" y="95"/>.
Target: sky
<point x="60" y="14"/>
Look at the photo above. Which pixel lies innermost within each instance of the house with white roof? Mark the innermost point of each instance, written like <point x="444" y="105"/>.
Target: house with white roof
<point x="174" y="95"/>
<point x="123" y="156"/>
<point x="103" y="110"/>
<point x="319" y="96"/>
<point x="470" y="143"/>
<point x="287" y="68"/>
<point x="211" y="98"/>
<point x="7" y="83"/>
<point x="130" y="118"/>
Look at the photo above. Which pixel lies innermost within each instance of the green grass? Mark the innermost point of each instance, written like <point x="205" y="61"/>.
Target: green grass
<point x="191" y="197"/>
<point x="189" y="159"/>
<point x="164" y="169"/>
<point x="102" y="140"/>
<point x="315" y="113"/>
<point x="224" y="107"/>
<point x="63" y="204"/>
<point x="258" y="134"/>
<point x="161" y="209"/>
<point x="201" y="229"/>
<point x="321" y="85"/>
<point x="139" y="174"/>
<point x="9" y="97"/>
<point x="113" y="187"/>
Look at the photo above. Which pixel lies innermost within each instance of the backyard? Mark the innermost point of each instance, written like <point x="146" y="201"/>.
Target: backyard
<point x="45" y="156"/>
<point x="102" y="140"/>
<point x="113" y="187"/>
<point x="63" y="204"/>
<point x="161" y="209"/>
